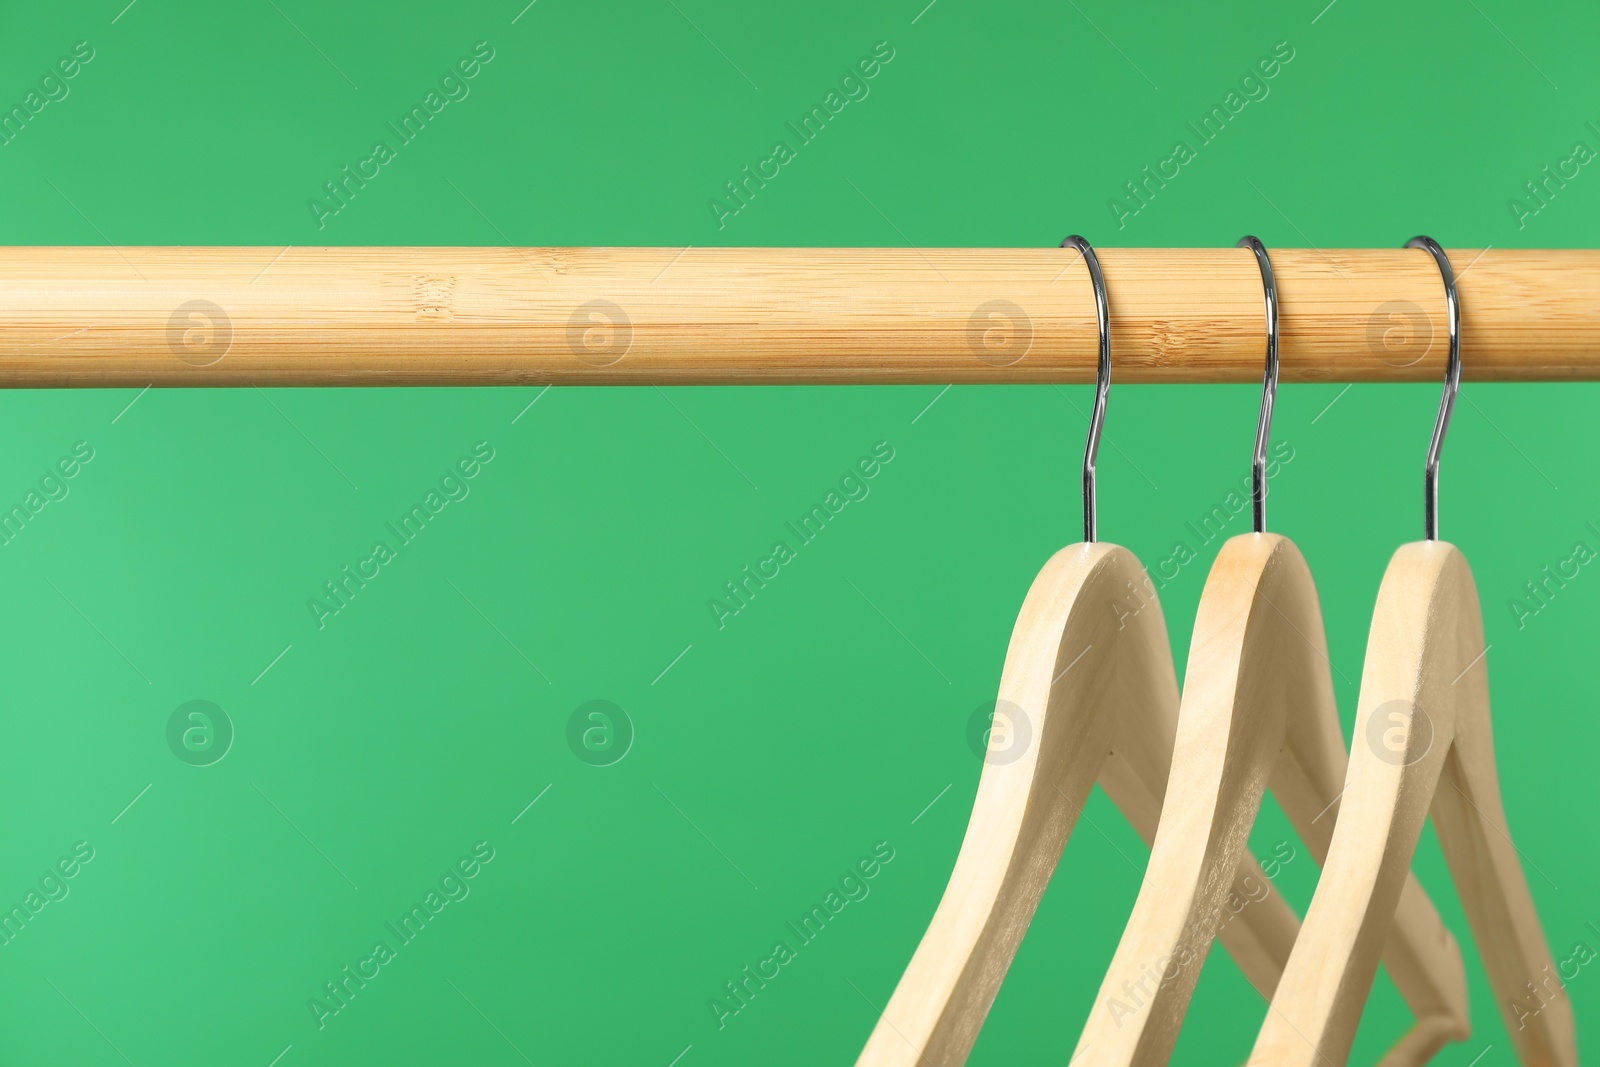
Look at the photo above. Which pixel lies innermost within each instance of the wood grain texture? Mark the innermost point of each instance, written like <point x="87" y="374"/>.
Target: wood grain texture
<point x="528" y="316"/>
<point x="1424" y="715"/>
<point x="1088" y="692"/>
<point x="1257" y="710"/>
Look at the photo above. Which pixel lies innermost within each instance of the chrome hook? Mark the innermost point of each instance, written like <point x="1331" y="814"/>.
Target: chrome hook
<point x="1452" y="386"/>
<point x="1102" y="386"/>
<point x="1269" y="386"/>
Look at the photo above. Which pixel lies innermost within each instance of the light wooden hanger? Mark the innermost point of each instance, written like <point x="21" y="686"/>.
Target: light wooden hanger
<point x="1257" y="710"/>
<point x="1110" y="715"/>
<point x="1088" y="693"/>
<point x="1424" y="709"/>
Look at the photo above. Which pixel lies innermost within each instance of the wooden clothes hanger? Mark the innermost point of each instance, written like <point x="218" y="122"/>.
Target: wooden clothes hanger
<point x="1257" y="711"/>
<point x="1424" y="707"/>
<point x="1080" y="700"/>
<point x="1087" y="693"/>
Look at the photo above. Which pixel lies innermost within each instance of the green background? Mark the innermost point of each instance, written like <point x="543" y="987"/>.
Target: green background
<point x="771" y="755"/>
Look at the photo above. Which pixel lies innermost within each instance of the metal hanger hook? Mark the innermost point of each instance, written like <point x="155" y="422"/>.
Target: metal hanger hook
<point x="1269" y="386"/>
<point x="1102" y="384"/>
<point x="1452" y="386"/>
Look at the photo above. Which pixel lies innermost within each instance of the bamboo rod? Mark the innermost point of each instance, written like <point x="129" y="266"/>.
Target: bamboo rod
<point x="133" y="317"/>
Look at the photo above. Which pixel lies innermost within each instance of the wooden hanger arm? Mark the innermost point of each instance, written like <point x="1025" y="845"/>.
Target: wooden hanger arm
<point x="1260" y="939"/>
<point x="1421" y="955"/>
<point x="1033" y="786"/>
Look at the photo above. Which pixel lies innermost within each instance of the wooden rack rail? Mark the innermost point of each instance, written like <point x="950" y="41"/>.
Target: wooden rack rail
<point x="168" y="316"/>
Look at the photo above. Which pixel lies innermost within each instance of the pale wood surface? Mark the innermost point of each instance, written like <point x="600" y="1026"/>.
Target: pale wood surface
<point x="510" y="316"/>
<point x="1257" y="711"/>
<point x="1425" y="650"/>
<point x="1091" y="671"/>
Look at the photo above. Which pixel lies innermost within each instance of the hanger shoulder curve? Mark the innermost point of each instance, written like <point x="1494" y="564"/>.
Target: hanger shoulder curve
<point x="1088" y="692"/>
<point x="1257" y="711"/>
<point x="1424" y="706"/>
